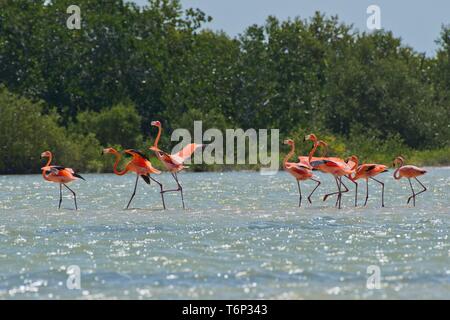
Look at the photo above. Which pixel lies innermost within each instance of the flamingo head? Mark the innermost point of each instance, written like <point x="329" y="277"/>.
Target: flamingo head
<point x="311" y="137"/>
<point x="289" y="142"/>
<point x="156" y="124"/>
<point x="352" y="158"/>
<point x="46" y="154"/>
<point x="399" y="160"/>
<point x="109" y="150"/>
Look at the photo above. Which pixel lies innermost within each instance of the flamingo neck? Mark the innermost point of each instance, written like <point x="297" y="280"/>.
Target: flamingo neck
<point x="396" y="175"/>
<point x="324" y="150"/>
<point x="50" y="158"/>
<point x="155" y="144"/>
<point x="355" y="166"/>
<point x="118" y="157"/>
<point x="396" y="172"/>
<point x="289" y="155"/>
<point x="356" y="160"/>
<point x="48" y="164"/>
<point x="313" y="150"/>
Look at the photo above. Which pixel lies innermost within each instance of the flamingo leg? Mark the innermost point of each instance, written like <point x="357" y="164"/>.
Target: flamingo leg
<point x="60" y="196"/>
<point x="413" y="194"/>
<point x="356" y="189"/>
<point x="180" y="188"/>
<point x="330" y="194"/>
<point x="367" y="192"/>
<point x="134" y="191"/>
<point x="300" y="194"/>
<point x="382" y="190"/>
<point x="338" y="200"/>
<point x="341" y="192"/>
<point x="161" y="192"/>
<point x="317" y="185"/>
<point x="74" y="195"/>
<point x="424" y="188"/>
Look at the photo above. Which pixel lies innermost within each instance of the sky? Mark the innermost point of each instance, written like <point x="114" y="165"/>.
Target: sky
<point x="417" y="22"/>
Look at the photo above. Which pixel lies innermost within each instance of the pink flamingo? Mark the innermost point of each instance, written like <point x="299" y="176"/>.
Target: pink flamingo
<point x="173" y="162"/>
<point x="300" y="171"/>
<point x="331" y="165"/>
<point x="139" y="165"/>
<point x="368" y="171"/>
<point x="409" y="172"/>
<point x="61" y="175"/>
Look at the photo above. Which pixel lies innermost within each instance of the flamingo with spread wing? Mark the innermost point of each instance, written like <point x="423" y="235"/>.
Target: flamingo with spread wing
<point x="174" y="163"/>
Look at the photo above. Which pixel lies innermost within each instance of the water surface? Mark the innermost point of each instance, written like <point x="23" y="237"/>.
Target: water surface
<point x="241" y="237"/>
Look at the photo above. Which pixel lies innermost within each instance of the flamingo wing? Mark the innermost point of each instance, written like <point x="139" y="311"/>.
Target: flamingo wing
<point x="300" y="168"/>
<point x="185" y="153"/>
<point x="325" y="162"/>
<point x="140" y="154"/>
<point x="370" y="167"/>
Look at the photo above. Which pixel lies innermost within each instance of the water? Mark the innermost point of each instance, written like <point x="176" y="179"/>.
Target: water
<point x="242" y="237"/>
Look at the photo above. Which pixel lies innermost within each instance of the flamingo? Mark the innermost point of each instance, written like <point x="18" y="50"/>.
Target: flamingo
<point x="409" y="172"/>
<point x="173" y="162"/>
<point x="61" y="175"/>
<point x="367" y="171"/>
<point x="300" y="171"/>
<point x="331" y="165"/>
<point x="140" y="165"/>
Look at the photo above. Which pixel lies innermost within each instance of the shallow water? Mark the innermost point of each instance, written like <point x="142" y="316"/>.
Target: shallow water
<point x="241" y="237"/>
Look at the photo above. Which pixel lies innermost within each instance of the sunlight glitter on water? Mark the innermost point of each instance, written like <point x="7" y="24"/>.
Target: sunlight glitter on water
<point x="241" y="237"/>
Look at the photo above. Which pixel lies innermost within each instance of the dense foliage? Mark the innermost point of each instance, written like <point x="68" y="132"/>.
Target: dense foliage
<point x="73" y="91"/>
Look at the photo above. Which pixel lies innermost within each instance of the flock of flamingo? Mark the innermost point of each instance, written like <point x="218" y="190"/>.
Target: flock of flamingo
<point x="301" y="170"/>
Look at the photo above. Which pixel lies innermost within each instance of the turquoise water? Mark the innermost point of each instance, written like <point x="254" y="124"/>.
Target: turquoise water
<point x="241" y="237"/>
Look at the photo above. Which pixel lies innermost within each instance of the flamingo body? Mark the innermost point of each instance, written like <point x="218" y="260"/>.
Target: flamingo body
<point x="299" y="171"/>
<point x="410" y="172"/>
<point x="140" y="164"/>
<point x="367" y="170"/>
<point x="59" y="174"/>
